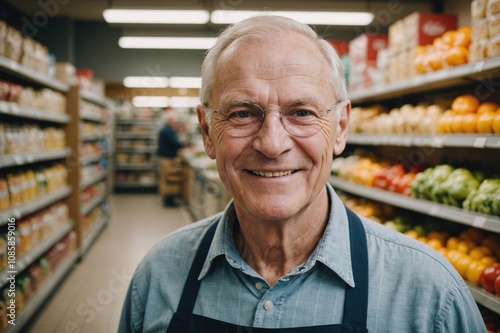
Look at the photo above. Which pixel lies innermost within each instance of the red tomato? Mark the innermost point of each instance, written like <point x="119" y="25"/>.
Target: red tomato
<point x="489" y="278"/>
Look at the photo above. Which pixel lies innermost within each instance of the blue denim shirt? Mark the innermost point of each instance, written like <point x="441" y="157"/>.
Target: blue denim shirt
<point x="412" y="288"/>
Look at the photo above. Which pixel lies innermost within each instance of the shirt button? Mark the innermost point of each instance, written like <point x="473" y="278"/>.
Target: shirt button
<point x="258" y="285"/>
<point x="268" y="305"/>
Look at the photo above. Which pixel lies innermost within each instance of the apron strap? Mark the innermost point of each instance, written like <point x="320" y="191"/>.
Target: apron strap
<point x="192" y="284"/>
<point x="356" y="299"/>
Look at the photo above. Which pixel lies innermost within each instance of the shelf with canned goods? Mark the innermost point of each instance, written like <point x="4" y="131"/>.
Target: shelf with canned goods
<point x="450" y="213"/>
<point x="12" y="67"/>
<point x="33" y="157"/>
<point x="28" y="258"/>
<point x="438" y="140"/>
<point x="483" y="71"/>
<point x="33" y="205"/>
<point x="40" y="297"/>
<point x="16" y="110"/>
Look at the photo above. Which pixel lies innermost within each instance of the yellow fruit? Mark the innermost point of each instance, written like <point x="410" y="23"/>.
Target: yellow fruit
<point x="452" y="243"/>
<point x="434" y="243"/>
<point x="453" y="256"/>
<point x="487" y="107"/>
<point x="479" y="252"/>
<point x="457" y="121"/>
<point x="474" y="271"/>
<point x="412" y="233"/>
<point x="422" y="239"/>
<point x="462" y="264"/>
<point x="469" y="123"/>
<point x="488" y="260"/>
<point x="465" y="246"/>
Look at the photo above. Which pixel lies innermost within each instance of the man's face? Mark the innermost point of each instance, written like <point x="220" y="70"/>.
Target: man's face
<point x="273" y="74"/>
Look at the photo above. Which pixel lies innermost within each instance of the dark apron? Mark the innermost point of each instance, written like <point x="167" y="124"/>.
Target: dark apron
<point x="355" y="305"/>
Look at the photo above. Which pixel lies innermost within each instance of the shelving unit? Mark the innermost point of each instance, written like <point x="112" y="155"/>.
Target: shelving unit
<point x="486" y="69"/>
<point x="135" y="154"/>
<point x="71" y="157"/>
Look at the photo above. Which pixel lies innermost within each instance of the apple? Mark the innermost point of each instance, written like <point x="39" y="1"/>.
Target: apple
<point x="488" y="277"/>
<point x="497" y="285"/>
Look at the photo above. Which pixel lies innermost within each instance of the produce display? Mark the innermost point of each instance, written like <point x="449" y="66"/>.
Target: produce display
<point x="465" y="114"/>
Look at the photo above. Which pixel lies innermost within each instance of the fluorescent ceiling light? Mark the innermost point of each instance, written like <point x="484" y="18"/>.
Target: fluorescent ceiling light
<point x="150" y="16"/>
<point x="193" y="43"/>
<point x="320" y="18"/>
<point x="145" y="82"/>
<point x="184" y="82"/>
<point x="184" y="102"/>
<point x="150" y="101"/>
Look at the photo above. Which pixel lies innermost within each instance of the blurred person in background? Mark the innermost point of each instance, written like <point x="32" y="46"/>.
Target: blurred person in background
<point x="170" y="173"/>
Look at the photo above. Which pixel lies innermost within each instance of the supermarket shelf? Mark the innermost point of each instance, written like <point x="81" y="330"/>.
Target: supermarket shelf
<point x="53" y="281"/>
<point x="151" y="122"/>
<point x="33" y="205"/>
<point x="137" y="149"/>
<point x="94" y="179"/>
<point x="437" y="140"/>
<point x="93" y="234"/>
<point x="27" y="259"/>
<point x="450" y="213"/>
<point x="10" y="66"/>
<point x="33" y="157"/>
<point x="485" y="298"/>
<point x="91" y="97"/>
<point x="126" y="135"/>
<point x="91" y="205"/>
<point x="93" y="137"/>
<point x="91" y="117"/>
<point x="14" y="109"/>
<point x="136" y="166"/>
<point x="446" y="77"/>
<point x="92" y="158"/>
<point x="135" y="184"/>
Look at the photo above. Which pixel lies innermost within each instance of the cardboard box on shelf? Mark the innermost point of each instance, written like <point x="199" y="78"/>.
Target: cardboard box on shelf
<point x="397" y="36"/>
<point x="365" y="47"/>
<point x="478" y="9"/>
<point x="422" y="28"/>
<point x="66" y="72"/>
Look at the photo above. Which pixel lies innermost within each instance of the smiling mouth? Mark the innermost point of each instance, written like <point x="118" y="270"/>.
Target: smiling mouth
<point x="270" y="174"/>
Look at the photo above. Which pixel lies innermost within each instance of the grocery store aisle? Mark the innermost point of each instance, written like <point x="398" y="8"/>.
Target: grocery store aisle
<point x="90" y="298"/>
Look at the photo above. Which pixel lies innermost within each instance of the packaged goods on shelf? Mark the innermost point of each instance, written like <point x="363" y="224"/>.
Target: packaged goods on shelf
<point x="66" y="72"/>
<point x="16" y="139"/>
<point x="363" y="59"/>
<point x="3" y="36"/>
<point x="93" y="110"/>
<point x="43" y="99"/>
<point x="13" y="44"/>
<point x="485" y="17"/>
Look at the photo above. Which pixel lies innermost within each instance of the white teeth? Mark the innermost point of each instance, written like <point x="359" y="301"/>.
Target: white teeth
<point x="272" y="174"/>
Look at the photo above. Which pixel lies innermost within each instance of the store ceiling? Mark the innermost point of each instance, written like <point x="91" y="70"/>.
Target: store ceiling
<point x="91" y="10"/>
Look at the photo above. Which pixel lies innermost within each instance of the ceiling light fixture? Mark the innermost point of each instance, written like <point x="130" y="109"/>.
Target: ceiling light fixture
<point x="145" y="82"/>
<point x="186" y="43"/>
<point x="184" y="102"/>
<point x="150" y="16"/>
<point x="150" y="101"/>
<point x="319" y="18"/>
<point x="184" y="82"/>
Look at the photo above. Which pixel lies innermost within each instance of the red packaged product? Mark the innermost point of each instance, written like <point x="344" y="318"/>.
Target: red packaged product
<point x="364" y="48"/>
<point x="422" y="28"/>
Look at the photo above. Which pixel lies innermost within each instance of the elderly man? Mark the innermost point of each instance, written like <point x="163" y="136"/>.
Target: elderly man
<point x="286" y="255"/>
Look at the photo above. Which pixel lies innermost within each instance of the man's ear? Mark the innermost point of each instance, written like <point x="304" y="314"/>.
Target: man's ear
<point x="205" y="132"/>
<point x="342" y="128"/>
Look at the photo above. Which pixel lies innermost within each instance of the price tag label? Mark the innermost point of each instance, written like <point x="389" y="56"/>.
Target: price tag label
<point x="17" y="214"/>
<point x="18" y="159"/>
<point x="479" y="221"/>
<point x="478" y="66"/>
<point x="434" y="210"/>
<point x="479" y="142"/>
<point x="30" y="158"/>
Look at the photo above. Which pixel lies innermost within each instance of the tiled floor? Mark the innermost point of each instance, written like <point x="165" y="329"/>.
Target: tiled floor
<point x="90" y="298"/>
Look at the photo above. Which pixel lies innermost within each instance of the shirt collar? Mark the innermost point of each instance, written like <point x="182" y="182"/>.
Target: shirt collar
<point x="333" y="249"/>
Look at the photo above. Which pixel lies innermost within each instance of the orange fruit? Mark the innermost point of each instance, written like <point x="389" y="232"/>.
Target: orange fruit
<point x="457" y="122"/>
<point x="453" y="256"/>
<point x="462" y="37"/>
<point x="469" y="123"/>
<point x="465" y="246"/>
<point x="474" y="271"/>
<point x="448" y="37"/>
<point x="443" y="251"/>
<point x="467" y="103"/>
<point x="488" y="260"/>
<point x="434" y="243"/>
<point x="457" y="55"/>
<point x="436" y="59"/>
<point x="485" y="122"/>
<point x="487" y="107"/>
<point x="496" y="123"/>
<point x="444" y="122"/>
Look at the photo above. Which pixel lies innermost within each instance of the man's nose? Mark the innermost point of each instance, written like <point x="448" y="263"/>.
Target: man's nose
<point x="272" y="139"/>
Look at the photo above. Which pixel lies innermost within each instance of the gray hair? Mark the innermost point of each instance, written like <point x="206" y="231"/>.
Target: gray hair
<point x="261" y="28"/>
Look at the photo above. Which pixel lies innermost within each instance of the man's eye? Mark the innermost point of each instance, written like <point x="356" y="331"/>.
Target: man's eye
<point x="240" y="114"/>
<point x="302" y="113"/>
